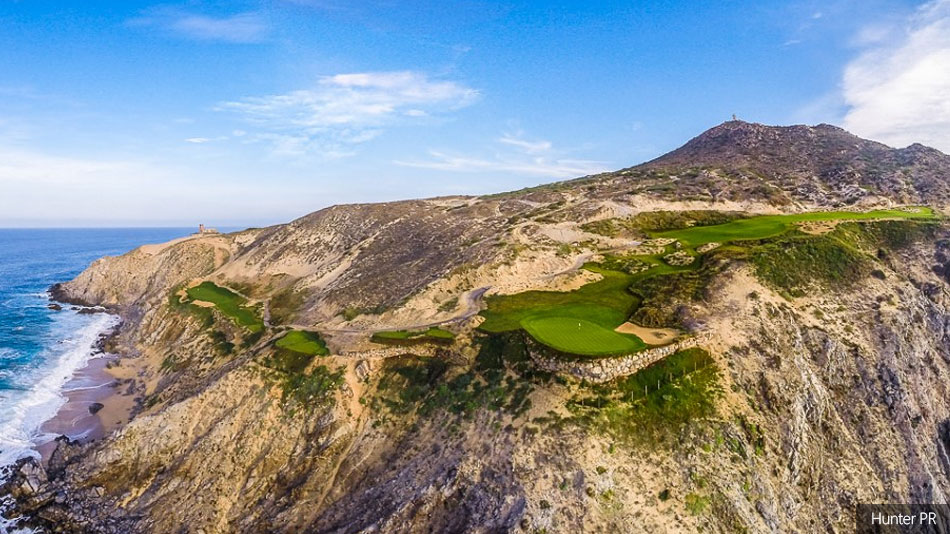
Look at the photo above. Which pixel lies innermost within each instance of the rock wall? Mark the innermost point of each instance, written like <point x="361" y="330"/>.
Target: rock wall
<point x="606" y="369"/>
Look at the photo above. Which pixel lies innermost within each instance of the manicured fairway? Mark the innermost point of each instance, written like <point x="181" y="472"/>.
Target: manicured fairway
<point x="229" y="303"/>
<point x="303" y="342"/>
<point x="579" y="336"/>
<point x="772" y="225"/>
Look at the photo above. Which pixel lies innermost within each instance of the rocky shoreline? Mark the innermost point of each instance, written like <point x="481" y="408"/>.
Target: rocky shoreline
<point x="34" y="487"/>
<point x="41" y="498"/>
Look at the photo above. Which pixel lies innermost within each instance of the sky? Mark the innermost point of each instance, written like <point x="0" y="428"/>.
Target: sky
<point x="249" y="113"/>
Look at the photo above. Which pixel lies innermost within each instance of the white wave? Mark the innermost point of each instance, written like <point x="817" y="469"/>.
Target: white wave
<point x="20" y="420"/>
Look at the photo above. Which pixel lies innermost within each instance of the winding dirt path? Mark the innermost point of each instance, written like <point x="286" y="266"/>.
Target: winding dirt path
<point x="473" y="305"/>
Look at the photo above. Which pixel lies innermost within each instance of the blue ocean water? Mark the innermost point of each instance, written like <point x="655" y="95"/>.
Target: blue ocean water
<point x="40" y="348"/>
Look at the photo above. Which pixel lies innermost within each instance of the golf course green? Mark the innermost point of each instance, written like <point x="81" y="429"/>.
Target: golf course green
<point x="579" y="336"/>
<point x="552" y="317"/>
<point x="303" y="342"/>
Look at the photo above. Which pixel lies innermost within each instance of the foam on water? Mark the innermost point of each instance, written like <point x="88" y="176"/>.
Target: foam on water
<point x="23" y="412"/>
<point x="40" y="348"/>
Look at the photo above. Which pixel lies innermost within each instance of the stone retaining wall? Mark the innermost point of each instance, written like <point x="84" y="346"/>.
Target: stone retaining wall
<point x="606" y="369"/>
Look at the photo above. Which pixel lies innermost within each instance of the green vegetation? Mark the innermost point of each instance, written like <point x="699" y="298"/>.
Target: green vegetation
<point x="449" y="305"/>
<point x="657" y="221"/>
<point x="500" y="380"/>
<point x="665" y="289"/>
<point x="312" y="389"/>
<point x="303" y="342"/>
<point x="411" y="337"/>
<point x="794" y="263"/>
<point x="229" y="303"/>
<point x="836" y="259"/>
<point x="773" y="225"/>
<point x="288" y="368"/>
<point x="605" y="302"/>
<point x="696" y="504"/>
<point x="653" y="405"/>
<point x="642" y="223"/>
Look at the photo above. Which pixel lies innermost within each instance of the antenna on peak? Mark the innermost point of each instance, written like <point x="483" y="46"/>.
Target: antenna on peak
<point x="734" y="117"/>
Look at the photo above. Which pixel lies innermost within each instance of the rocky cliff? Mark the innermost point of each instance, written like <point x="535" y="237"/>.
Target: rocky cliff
<point x="798" y="408"/>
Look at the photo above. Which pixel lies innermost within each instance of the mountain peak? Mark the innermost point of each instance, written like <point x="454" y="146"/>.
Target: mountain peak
<point x="744" y="144"/>
<point x="814" y="161"/>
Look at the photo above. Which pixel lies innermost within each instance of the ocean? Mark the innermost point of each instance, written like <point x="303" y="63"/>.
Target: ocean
<point x="40" y="348"/>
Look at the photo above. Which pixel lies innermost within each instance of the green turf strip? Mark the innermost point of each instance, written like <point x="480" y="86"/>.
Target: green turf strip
<point x="412" y="334"/>
<point x="303" y="342"/>
<point x="772" y="225"/>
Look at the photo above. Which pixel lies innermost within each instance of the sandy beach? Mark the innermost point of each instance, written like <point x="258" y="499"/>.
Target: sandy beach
<point x="94" y="383"/>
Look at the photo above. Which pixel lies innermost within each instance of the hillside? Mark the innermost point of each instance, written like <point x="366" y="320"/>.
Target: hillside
<point x="746" y="334"/>
<point x="795" y="165"/>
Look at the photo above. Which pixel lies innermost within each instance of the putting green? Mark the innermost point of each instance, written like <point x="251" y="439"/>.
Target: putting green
<point x="303" y="342"/>
<point x="579" y="336"/>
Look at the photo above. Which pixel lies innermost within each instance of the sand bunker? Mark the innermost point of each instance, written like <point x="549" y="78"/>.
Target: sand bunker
<point x="651" y="336"/>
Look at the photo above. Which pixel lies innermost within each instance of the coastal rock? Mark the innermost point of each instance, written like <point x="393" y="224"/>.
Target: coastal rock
<point x="95" y="407"/>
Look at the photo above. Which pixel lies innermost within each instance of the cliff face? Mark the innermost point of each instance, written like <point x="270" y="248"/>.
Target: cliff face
<point x="849" y="409"/>
<point x="818" y="402"/>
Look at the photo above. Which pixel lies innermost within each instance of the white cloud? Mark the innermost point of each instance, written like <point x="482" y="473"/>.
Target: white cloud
<point x="19" y="166"/>
<point x="899" y="92"/>
<point x="561" y="168"/>
<point x="203" y="140"/>
<point x="529" y="147"/>
<point x="873" y="34"/>
<point x="348" y="109"/>
<point x="534" y="158"/>
<point x="241" y="28"/>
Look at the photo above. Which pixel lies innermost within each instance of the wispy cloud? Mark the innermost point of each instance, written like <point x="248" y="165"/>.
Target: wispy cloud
<point x="520" y="156"/>
<point x="899" y="92"/>
<point x="348" y="109"/>
<point x="24" y="170"/>
<point x="530" y="147"/>
<point x="248" y="27"/>
<point x="203" y="140"/>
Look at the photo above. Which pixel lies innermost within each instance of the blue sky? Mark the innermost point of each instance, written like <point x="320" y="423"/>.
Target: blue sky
<point x="252" y="113"/>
